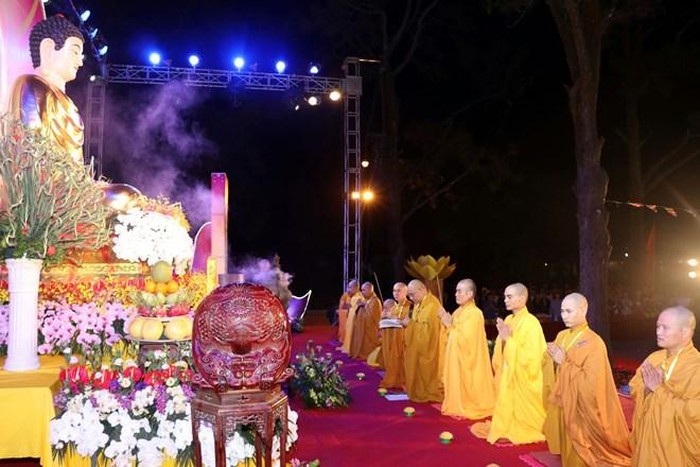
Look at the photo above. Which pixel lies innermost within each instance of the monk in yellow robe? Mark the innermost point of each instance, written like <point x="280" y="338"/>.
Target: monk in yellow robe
<point x="355" y="299"/>
<point x="467" y="375"/>
<point x="518" y="360"/>
<point x="365" y="333"/>
<point x="422" y="353"/>
<point x="39" y="100"/>
<point x="393" y="341"/>
<point x="585" y="422"/>
<point x="342" y="311"/>
<point x="666" y="393"/>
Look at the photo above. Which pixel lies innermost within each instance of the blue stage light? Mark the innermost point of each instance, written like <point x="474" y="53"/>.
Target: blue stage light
<point x="92" y="32"/>
<point x="154" y="58"/>
<point x="102" y="50"/>
<point x="280" y="66"/>
<point x="239" y="63"/>
<point x="194" y="60"/>
<point x="84" y="15"/>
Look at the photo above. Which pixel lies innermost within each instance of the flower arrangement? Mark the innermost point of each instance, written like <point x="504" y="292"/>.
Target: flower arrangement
<point x="152" y="236"/>
<point x="91" y="330"/>
<point x="48" y="203"/>
<point x="318" y="381"/>
<point x="125" y="413"/>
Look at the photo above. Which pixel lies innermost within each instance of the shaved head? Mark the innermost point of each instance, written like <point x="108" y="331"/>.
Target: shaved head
<point x="675" y="328"/>
<point x="515" y="297"/>
<point x="468" y="284"/>
<point x="573" y="309"/>
<point x="416" y="290"/>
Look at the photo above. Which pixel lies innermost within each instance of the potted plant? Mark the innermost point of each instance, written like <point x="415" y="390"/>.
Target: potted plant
<point x="48" y="203"/>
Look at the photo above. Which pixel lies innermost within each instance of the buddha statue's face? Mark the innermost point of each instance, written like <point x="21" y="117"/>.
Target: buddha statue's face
<point x="64" y="62"/>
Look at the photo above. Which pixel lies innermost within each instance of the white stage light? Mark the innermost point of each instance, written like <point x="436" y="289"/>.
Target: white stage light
<point x="154" y="58"/>
<point x="314" y="69"/>
<point x="313" y="100"/>
<point x="194" y="60"/>
<point x="102" y="50"/>
<point x="84" y="15"/>
<point x="364" y="164"/>
<point x="239" y="63"/>
<point x="335" y="95"/>
<point x="280" y="66"/>
<point x="92" y="32"/>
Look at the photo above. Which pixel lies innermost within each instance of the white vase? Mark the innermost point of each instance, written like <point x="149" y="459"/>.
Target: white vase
<point x="23" y="284"/>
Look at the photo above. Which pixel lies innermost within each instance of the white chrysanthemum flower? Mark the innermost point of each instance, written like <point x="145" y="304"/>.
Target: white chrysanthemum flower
<point x="151" y="237"/>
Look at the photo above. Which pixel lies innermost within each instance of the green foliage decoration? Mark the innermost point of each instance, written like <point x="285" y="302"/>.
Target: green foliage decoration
<point x="48" y="202"/>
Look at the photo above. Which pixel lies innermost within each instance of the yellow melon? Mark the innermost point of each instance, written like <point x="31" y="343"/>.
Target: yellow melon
<point x="178" y="329"/>
<point x="152" y="329"/>
<point x="136" y="327"/>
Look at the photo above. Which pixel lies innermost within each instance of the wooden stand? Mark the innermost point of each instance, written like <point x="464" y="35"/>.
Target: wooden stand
<point x="228" y="410"/>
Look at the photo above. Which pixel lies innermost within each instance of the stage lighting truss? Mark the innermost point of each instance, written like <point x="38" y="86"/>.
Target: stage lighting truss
<point x="249" y="80"/>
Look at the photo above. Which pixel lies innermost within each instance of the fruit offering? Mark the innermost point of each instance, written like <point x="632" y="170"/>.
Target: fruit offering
<point x="153" y="329"/>
<point x="162" y="295"/>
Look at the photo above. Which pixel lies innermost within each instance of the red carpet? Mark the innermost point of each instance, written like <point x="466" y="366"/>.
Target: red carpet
<point x="374" y="431"/>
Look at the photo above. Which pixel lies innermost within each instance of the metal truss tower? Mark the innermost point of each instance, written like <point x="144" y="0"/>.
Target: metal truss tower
<point x="351" y="87"/>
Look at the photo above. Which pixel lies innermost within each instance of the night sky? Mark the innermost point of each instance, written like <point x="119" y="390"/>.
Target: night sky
<point x="502" y="79"/>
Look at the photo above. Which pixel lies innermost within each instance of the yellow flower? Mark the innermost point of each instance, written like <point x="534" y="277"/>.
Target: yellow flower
<point x="446" y="437"/>
<point x="409" y="411"/>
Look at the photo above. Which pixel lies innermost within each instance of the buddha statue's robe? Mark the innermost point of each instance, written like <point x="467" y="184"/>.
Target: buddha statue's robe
<point x="666" y="422"/>
<point x="365" y="336"/>
<point x="585" y="422"/>
<point x="40" y="105"/>
<point x="393" y="348"/>
<point x="422" y="352"/>
<point x="350" y="322"/>
<point x="467" y="374"/>
<point x="519" y="367"/>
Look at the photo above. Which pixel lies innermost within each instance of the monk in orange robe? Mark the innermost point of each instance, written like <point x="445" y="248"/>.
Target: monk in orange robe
<point x="393" y="341"/>
<point x="344" y="308"/>
<point x="422" y="353"/>
<point x="518" y="363"/>
<point x="585" y="422"/>
<point x="467" y="375"/>
<point x="666" y="393"/>
<point x="355" y="299"/>
<point x="365" y="334"/>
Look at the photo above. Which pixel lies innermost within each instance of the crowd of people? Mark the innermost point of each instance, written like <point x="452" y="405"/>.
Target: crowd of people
<point x="529" y="390"/>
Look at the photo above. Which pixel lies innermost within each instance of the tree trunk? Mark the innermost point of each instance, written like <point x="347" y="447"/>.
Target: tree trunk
<point x="581" y="26"/>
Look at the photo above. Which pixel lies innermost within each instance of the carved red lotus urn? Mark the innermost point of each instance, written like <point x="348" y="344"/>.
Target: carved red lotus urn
<point x="241" y="339"/>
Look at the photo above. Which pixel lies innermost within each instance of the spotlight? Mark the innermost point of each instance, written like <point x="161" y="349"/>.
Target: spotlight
<point x="314" y="69"/>
<point x="280" y="66"/>
<point x="364" y="164"/>
<point x="92" y="33"/>
<point x="84" y="15"/>
<point x="194" y="60"/>
<point x="313" y="101"/>
<point x="693" y="274"/>
<point x="102" y="50"/>
<point x="355" y="195"/>
<point x="692" y="262"/>
<point x="93" y="78"/>
<point x="367" y="195"/>
<point x="335" y="95"/>
<point x="239" y="63"/>
<point x="154" y="58"/>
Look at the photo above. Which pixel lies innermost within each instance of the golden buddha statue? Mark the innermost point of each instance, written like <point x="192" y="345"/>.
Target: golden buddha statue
<point x="39" y="100"/>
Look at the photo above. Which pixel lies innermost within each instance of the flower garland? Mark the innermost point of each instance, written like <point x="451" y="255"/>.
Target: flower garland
<point x="318" y="381"/>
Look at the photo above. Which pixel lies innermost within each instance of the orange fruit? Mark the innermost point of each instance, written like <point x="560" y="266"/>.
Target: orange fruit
<point x="149" y="286"/>
<point x="173" y="286"/>
<point x="162" y="287"/>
